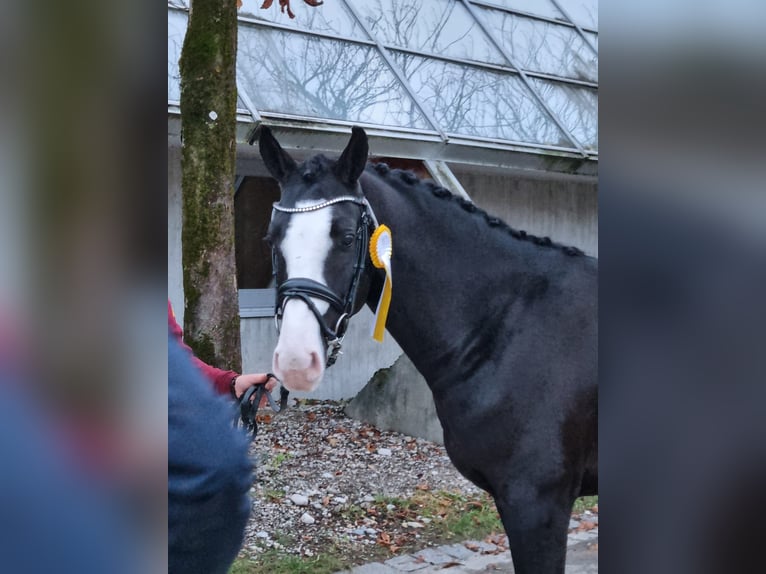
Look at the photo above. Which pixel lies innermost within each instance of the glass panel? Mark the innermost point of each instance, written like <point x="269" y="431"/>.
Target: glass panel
<point x="575" y="106"/>
<point x="332" y="17"/>
<point x="593" y="37"/>
<point x="241" y="107"/>
<point x="442" y="27"/>
<point x="176" y="33"/>
<point x="473" y="101"/>
<point x="543" y="46"/>
<point x="299" y="74"/>
<point x="539" y="7"/>
<point x="583" y="12"/>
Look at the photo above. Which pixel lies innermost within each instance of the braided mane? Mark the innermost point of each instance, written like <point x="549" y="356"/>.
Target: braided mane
<point x="312" y="168"/>
<point x="394" y="176"/>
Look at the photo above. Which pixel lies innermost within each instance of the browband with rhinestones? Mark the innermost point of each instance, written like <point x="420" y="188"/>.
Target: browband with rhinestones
<point x="358" y="200"/>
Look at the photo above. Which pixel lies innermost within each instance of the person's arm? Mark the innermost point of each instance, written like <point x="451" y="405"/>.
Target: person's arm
<point x="224" y="382"/>
<point x="220" y="378"/>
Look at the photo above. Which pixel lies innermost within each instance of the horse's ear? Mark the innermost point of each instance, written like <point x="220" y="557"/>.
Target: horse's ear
<point x="351" y="163"/>
<point x="279" y="164"/>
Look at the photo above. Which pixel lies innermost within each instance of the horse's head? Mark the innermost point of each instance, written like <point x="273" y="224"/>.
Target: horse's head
<point x="319" y="232"/>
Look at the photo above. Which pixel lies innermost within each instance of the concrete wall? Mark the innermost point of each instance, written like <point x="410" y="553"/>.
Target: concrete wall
<point x="564" y="210"/>
<point x="175" y="272"/>
<point x="398" y="399"/>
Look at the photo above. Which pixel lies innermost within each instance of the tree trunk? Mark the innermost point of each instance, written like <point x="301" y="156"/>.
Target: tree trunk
<point x="208" y="132"/>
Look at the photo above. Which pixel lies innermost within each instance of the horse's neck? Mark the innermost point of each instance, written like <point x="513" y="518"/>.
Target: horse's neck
<point x="437" y="276"/>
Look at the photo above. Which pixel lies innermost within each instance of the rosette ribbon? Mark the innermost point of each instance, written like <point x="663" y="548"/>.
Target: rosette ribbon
<point x="380" y="254"/>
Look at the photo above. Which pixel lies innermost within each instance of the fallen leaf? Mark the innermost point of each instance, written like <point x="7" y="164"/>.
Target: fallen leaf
<point x="584" y="525"/>
<point x="497" y="539"/>
<point x="423" y="486"/>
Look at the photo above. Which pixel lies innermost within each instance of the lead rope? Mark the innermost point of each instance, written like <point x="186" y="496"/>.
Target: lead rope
<point x="248" y="405"/>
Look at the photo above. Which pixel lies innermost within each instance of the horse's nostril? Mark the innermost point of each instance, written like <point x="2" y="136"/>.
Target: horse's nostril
<point x="315" y="364"/>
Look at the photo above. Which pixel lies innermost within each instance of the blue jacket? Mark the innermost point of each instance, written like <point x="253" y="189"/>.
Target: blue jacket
<point x="209" y="473"/>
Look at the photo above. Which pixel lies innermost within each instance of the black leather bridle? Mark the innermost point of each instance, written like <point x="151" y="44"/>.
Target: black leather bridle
<point x="304" y="289"/>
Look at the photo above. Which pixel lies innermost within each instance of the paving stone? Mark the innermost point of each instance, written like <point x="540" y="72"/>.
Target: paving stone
<point x="585" y="535"/>
<point x="434" y="556"/>
<point x="481" y="546"/>
<point x="486" y="563"/>
<point x="373" y="568"/>
<point x="457" y="551"/>
<point x="406" y="564"/>
<point x="582" y="558"/>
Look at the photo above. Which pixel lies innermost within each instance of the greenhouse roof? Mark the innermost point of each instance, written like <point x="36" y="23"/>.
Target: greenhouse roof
<point x="513" y="76"/>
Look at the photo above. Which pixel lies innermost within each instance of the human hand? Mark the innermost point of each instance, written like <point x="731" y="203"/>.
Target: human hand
<point x="244" y="382"/>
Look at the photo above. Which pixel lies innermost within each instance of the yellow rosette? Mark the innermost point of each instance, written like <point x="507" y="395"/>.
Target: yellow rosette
<point x="380" y="252"/>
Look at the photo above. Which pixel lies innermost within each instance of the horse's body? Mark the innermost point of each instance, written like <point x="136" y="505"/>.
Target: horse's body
<point x="501" y="325"/>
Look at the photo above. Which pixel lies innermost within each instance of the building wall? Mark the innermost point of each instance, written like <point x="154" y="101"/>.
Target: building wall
<point x="175" y="273"/>
<point x="564" y="210"/>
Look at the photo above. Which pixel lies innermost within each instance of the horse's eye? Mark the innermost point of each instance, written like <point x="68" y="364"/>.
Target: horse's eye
<point x="348" y="239"/>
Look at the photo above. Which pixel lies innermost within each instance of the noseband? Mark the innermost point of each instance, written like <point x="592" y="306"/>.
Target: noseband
<point x="304" y="289"/>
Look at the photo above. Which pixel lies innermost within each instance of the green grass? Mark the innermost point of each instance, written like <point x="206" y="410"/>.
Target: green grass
<point x="457" y="517"/>
<point x="584" y="503"/>
<point x="274" y="495"/>
<point x="451" y="518"/>
<point x="277" y="460"/>
<point x="353" y="513"/>
<point x="275" y="562"/>
<point x="383" y="501"/>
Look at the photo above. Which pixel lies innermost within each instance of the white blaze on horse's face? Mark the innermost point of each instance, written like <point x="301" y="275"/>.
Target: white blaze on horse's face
<point x="299" y="359"/>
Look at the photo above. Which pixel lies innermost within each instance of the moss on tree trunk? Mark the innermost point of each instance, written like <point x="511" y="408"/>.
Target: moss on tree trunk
<point x="208" y="132"/>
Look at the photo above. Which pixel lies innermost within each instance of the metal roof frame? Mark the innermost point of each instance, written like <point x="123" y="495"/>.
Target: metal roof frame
<point x="437" y="145"/>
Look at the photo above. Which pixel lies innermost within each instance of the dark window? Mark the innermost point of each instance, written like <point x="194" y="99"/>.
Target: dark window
<point x="252" y="214"/>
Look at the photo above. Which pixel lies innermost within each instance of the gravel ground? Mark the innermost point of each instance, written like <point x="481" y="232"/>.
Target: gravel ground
<point x="320" y="472"/>
<point x="315" y="466"/>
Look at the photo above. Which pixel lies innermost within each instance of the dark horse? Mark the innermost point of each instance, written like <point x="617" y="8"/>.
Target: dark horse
<point x="501" y="324"/>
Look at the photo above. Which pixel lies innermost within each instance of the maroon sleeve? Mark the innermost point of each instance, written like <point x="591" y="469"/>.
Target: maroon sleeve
<point x="220" y="379"/>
